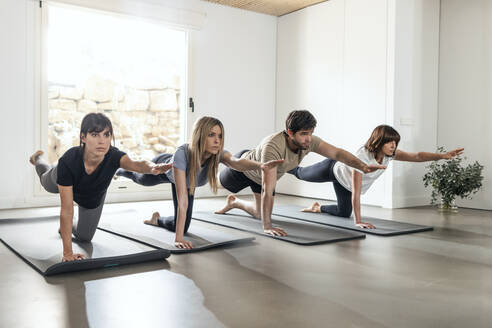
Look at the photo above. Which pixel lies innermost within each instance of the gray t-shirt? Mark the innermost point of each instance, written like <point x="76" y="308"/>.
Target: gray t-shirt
<point x="180" y="160"/>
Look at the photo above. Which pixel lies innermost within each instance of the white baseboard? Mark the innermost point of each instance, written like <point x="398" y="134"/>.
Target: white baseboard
<point x="409" y="201"/>
<point x="48" y="200"/>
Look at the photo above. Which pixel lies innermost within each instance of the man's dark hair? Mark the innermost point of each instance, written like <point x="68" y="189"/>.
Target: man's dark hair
<point x="300" y="120"/>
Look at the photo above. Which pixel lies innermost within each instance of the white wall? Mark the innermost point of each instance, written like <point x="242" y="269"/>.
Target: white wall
<point x="357" y="64"/>
<point x="415" y="83"/>
<point x="332" y="61"/>
<point x="15" y="132"/>
<point x="232" y="73"/>
<point x="353" y="63"/>
<point x="465" y="84"/>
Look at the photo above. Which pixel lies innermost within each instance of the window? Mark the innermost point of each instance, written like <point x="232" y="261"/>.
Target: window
<point x="133" y="70"/>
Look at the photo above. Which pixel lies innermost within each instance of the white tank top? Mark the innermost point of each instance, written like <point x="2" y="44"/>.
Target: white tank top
<point x="343" y="173"/>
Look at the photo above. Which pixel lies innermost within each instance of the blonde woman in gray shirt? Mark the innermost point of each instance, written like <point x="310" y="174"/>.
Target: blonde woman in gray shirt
<point x="194" y="164"/>
<point x="349" y="183"/>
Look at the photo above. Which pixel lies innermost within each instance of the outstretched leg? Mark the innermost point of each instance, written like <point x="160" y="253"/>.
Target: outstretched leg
<point x="47" y="173"/>
<point x="142" y="179"/>
<point x="319" y="172"/>
<point x="323" y="172"/>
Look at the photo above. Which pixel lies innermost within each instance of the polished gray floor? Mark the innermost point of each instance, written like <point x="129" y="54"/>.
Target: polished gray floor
<point x="441" y="278"/>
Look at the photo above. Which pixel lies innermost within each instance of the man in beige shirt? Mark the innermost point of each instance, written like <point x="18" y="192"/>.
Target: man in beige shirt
<point x="291" y="145"/>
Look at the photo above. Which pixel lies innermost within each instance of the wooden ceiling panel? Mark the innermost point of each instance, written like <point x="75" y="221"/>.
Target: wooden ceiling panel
<point x="270" y="7"/>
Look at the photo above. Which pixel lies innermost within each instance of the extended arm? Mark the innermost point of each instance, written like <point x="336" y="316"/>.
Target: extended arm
<point x="144" y="167"/>
<point x="426" y="157"/>
<point x="243" y="164"/>
<point x="338" y="154"/>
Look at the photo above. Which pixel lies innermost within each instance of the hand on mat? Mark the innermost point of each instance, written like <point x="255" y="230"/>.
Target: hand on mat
<point x="453" y="153"/>
<point x="373" y="167"/>
<point x="365" y="225"/>
<point x="161" y="168"/>
<point x="271" y="164"/>
<point x="72" y="257"/>
<point x="181" y="243"/>
<point x="274" y="231"/>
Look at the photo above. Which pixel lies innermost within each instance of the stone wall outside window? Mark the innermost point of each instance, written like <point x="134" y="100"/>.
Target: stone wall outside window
<point x="145" y="117"/>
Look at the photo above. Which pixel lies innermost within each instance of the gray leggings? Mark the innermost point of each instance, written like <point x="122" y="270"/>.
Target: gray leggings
<point x="86" y="222"/>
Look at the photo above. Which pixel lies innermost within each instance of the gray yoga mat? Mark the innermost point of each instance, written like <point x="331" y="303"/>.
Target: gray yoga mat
<point x="383" y="227"/>
<point x="129" y="224"/>
<point x="37" y="242"/>
<point x="298" y="232"/>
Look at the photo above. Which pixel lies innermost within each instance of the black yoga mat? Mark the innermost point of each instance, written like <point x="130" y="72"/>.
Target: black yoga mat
<point x="37" y="242"/>
<point x="298" y="232"/>
<point x="129" y="224"/>
<point x="383" y="227"/>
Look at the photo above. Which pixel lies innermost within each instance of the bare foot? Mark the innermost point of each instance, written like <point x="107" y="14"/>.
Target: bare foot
<point x="230" y="200"/>
<point x="34" y="157"/>
<point x="153" y="220"/>
<point x="315" y="208"/>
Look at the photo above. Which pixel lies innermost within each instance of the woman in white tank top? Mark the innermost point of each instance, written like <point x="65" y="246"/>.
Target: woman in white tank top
<point x="349" y="183"/>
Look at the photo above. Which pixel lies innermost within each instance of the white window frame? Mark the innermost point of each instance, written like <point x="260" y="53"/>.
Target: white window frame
<point x="179" y="19"/>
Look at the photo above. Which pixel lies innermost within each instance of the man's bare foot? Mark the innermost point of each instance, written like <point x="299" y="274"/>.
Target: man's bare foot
<point x="315" y="208"/>
<point x="230" y="200"/>
<point x="153" y="220"/>
<point x="34" y="157"/>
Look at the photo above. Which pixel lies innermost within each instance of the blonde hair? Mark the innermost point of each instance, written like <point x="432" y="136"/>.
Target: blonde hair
<point x="201" y="130"/>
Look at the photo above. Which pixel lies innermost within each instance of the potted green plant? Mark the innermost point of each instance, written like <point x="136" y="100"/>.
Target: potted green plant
<point x="450" y="179"/>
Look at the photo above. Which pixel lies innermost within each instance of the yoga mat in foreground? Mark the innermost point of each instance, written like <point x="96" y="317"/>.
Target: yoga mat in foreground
<point x="38" y="243"/>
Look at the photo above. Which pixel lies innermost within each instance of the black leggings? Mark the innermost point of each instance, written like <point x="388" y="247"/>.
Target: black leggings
<point x="323" y="172"/>
<point x="235" y="181"/>
<point x="170" y="222"/>
<point x="151" y="180"/>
